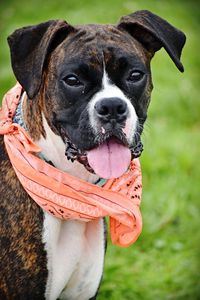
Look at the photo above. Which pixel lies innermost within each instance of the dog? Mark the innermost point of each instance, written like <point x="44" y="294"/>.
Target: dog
<point x="89" y="85"/>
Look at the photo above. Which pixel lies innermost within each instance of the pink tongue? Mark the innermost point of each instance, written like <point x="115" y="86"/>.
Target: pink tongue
<point x="109" y="160"/>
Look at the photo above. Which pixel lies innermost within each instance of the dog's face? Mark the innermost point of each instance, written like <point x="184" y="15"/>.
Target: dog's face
<point x="98" y="86"/>
<point x="95" y="82"/>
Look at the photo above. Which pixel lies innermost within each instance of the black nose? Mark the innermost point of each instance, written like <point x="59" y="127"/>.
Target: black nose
<point x="111" y="108"/>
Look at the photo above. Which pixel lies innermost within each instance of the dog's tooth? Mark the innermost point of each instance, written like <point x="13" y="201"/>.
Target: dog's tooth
<point x="103" y="130"/>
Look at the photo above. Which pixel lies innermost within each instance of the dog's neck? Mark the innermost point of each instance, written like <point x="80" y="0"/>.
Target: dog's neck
<point x="53" y="149"/>
<point x="52" y="145"/>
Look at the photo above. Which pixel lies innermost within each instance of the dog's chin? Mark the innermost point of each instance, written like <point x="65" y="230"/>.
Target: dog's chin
<point x="108" y="157"/>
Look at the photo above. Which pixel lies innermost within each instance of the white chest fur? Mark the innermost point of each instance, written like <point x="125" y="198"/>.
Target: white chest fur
<point x="75" y="250"/>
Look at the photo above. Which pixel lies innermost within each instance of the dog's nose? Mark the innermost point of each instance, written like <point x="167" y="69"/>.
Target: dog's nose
<point x="111" y="109"/>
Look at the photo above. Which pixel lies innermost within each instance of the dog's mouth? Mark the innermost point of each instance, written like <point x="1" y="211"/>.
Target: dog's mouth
<point x="110" y="156"/>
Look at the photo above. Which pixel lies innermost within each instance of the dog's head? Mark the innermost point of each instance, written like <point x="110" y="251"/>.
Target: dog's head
<point x="95" y="82"/>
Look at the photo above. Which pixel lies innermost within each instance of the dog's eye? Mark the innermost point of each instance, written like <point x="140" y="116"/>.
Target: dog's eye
<point x="135" y="76"/>
<point x="72" y="80"/>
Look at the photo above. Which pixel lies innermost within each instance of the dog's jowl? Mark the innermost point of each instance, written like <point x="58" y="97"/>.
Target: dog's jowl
<point x="86" y="91"/>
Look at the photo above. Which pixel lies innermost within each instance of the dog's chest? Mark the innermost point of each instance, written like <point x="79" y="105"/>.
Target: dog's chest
<point x="75" y="249"/>
<point x="75" y="254"/>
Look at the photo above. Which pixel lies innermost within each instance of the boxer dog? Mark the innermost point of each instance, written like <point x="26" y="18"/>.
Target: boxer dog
<point x="89" y="85"/>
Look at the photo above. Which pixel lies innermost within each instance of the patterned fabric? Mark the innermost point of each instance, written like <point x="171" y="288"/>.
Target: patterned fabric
<point x="65" y="196"/>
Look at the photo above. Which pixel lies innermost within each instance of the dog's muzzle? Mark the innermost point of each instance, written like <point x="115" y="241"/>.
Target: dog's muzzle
<point x="111" y="147"/>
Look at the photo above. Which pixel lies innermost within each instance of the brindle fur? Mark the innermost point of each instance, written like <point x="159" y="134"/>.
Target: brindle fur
<point x="23" y="259"/>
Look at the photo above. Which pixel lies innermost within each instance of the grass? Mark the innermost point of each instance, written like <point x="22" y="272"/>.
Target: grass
<point x="164" y="263"/>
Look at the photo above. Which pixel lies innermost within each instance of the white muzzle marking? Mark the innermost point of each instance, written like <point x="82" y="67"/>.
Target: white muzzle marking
<point x="110" y="90"/>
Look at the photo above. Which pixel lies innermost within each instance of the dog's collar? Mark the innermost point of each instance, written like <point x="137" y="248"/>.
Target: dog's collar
<point x="101" y="182"/>
<point x="18" y="117"/>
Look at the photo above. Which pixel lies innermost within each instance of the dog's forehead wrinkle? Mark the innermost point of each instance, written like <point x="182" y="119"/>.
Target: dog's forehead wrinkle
<point x="97" y="30"/>
<point x="98" y="42"/>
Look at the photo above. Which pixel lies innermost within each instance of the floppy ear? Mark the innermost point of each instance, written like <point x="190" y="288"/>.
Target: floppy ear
<point x="30" y="47"/>
<point x="153" y="33"/>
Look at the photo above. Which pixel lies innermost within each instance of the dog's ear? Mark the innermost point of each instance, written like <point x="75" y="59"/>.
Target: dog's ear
<point x="153" y="33"/>
<point x="30" y="47"/>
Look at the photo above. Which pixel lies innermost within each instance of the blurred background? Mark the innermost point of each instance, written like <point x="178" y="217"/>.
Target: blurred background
<point x="164" y="263"/>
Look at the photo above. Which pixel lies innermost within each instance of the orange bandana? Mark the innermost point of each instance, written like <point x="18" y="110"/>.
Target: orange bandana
<point x="65" y="196"/>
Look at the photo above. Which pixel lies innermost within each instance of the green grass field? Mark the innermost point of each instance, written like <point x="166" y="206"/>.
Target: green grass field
<point x="164" y="264"/>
